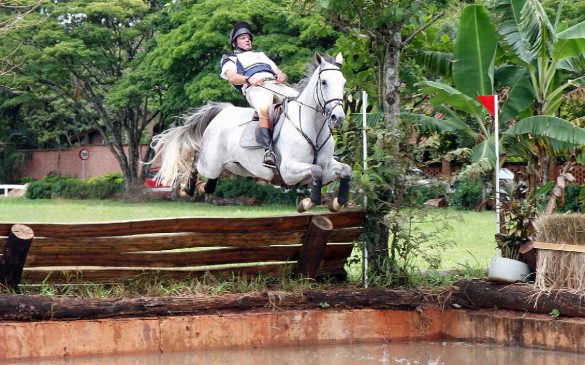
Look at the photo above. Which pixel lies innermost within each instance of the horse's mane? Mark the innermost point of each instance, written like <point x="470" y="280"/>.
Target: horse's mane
<point x="299" y="86"/>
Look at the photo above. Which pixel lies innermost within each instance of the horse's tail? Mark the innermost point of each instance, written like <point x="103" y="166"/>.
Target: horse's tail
<point x="179" y="146"/>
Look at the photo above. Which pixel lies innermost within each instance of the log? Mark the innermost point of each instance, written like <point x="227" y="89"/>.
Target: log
<point x="478" y="294"/>
<point x="202" y="257"/>
<point x="436" y="203"/>
<point x="14" y="255"/>
<point x="314" y="246"/>
<point x="158" y="242"/>
<point x="349" y="218"/>
<point x="29" y="308"/>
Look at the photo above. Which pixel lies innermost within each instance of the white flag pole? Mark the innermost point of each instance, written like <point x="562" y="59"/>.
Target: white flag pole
<point x="365" y="163"/>
<point x="497" y="148"/>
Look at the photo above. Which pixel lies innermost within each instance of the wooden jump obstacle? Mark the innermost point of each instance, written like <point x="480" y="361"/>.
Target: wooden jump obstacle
<point x="310" y="245"/>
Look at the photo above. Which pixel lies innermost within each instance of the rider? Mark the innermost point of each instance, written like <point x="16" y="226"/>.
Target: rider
<point x="258" y="78"/>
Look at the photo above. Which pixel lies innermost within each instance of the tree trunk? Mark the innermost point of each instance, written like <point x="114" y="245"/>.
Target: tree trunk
<point x="392" y="78"/>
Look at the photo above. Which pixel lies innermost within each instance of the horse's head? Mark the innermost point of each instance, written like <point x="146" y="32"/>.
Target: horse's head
<point x="329" y="90"/>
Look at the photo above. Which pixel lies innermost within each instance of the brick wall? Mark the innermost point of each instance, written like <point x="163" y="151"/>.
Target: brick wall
<point x="446" y="170"/>
<point x="67" y="162"/>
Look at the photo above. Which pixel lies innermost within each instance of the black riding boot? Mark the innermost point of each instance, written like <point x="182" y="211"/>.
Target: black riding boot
<point x="266" y="139"/>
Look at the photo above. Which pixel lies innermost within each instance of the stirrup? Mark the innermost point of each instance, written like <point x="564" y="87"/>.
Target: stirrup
<point x="269" y="160"/>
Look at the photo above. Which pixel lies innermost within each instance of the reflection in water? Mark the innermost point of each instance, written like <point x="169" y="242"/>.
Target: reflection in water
<point x="404" y="353"/>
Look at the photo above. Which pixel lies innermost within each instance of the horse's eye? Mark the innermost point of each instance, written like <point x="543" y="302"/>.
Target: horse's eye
<point x="323" y="83"/>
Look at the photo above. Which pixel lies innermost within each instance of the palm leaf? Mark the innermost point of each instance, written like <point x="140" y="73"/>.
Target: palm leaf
<point x="439" y="63"/>
<point x="543" y="133"/>
<point x="570" y="43"/>
<point x="474" y="53"/>
<point x="485" y="150"/>
<point x="521" y="94"/>
<point x="535" y="24"/>
<point x="431" y="124"/>
<point x="445" y="94"/>
<point x="510" y="30"/>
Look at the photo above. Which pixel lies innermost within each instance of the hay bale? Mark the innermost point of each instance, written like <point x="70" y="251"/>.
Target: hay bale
<point x="561" y="269"/>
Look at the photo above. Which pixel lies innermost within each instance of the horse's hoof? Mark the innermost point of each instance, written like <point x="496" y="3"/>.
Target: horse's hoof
<point x="334" y="205"/>
<point x="200" y="187"/>
<point x="305" y="205"/>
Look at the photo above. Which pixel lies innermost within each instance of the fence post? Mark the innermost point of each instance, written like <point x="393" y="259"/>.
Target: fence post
<point x="14" y="255"/>
<point x="313" y="247"/>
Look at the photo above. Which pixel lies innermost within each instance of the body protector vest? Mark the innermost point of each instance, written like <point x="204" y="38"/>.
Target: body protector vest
<point x="248" y="63"/>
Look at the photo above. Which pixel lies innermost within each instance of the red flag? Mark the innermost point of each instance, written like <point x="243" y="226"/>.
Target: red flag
<point x="489" y="101"/>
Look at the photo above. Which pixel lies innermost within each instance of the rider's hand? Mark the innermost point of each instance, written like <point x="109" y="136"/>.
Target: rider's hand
<point x="281" y="77"/>
<point x="255" y="81"/>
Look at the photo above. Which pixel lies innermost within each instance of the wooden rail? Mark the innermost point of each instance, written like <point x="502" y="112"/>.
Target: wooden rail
<point x="189" y="247"/>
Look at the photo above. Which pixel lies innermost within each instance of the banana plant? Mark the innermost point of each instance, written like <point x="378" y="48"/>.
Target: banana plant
<point x="473" y="74"/>
<point x="544" y="64"/>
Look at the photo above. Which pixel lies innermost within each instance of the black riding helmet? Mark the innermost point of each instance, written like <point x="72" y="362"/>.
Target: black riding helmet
<point x="239" y="29"/>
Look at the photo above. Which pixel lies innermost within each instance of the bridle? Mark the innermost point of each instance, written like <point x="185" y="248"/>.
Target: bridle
<point x="322" y="108"/>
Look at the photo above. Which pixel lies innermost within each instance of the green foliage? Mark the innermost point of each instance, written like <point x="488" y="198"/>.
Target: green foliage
<point x="467" y="195"/>
<point x="574" y="195"/>
<point x="51" y="187"/>
<point x="11" y="161"/>
<point x="188" y="55"/>
<point x="519" y="217"/>
<point x="266" y="193"/>
<point x="409" y="246"/>
<point x="415" y="196"/>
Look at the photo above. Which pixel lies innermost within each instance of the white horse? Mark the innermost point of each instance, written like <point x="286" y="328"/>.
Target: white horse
<point x="211" y="140"/>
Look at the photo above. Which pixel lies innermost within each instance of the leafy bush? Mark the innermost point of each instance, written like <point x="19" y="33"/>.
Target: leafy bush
<point x="574" y="195"/>
<point x="102" y="187"/>
<point x="467" y="195"/>
<point x="415" y="196"/>
<point x="267" y="194"/>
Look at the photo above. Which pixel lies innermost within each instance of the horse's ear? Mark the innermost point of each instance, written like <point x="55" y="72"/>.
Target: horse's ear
<point x="318" y="57"/>
<point x="339" y="58"/>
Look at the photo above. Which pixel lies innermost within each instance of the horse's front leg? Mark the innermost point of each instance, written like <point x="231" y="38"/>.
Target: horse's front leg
<point x="338" y="171"/>
<point x="294" y="172"/>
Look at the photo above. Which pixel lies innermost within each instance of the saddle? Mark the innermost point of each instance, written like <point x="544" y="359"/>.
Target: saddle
<point x="251" y="135"/>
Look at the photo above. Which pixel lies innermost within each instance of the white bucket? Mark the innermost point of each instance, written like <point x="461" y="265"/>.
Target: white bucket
<point x="507" y="270"/>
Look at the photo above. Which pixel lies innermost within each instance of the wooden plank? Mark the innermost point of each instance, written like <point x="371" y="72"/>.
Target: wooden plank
<point x="168" y="225"/>
<point x="182" y="258"/>
<point x="157" y="242"/>
<point x="558" y="247"/>
<point x="347" y="218"/>
<point x="349" y="234"/>
<point x="332" y="265"/>
<point x="171" y="241"/>
<point x="352" y="217"/>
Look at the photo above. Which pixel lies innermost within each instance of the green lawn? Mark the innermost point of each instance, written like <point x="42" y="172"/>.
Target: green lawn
<point x="473" y="232"/>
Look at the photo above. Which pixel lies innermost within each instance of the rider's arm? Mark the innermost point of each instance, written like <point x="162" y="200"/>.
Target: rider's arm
<point x="235" y="78"/>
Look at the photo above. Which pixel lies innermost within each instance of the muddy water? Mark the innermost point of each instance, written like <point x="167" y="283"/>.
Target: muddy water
<point x="409" y="353"/>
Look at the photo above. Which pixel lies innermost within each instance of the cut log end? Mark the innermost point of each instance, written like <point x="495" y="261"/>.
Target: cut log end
<point x="322" y="223"/>
<point x="22" y="232"/>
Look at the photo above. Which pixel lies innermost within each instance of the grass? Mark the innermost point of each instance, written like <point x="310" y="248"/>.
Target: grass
<point x="472" y="234"/>
<point x="19" y="210"/>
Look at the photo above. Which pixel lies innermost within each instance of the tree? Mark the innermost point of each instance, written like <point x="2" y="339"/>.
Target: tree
<point x="189" y="51"/>
<point x="12" y="15"/>
<point x="86" y="56"/>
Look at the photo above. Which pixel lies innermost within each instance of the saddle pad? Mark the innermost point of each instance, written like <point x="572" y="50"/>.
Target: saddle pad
<point x="248" y="138"/>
